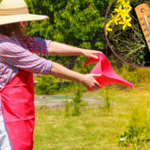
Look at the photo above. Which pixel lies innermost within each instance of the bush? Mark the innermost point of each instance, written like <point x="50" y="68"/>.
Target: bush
<point x="47" y="85"/>
<point x="138" y="129"/>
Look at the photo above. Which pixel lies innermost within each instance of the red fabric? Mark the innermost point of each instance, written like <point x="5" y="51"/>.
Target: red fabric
<point x="104" y="68"/>
<point x="17" y="100"/>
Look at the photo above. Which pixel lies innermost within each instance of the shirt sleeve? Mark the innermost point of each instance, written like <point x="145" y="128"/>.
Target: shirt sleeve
<point x="14" y="54"/>
<point x="37" y="45"/>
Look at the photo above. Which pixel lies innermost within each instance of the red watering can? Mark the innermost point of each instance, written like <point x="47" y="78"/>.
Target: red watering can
<point x="104" y="68"/>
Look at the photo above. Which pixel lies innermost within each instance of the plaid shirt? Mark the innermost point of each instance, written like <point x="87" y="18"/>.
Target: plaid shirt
<point x="19" y="54"/>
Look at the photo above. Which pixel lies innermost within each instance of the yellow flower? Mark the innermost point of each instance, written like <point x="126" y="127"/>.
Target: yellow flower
<point x="107" y="28"/>
<point x="126" y="22"/>
<point x="114" y="19"/>
<point x="129" y="8"/>
<point x="127" y="5"/>
<point x="119" y="10"/>
<point x="121" y="1"/>
<point x="126" y="13"/>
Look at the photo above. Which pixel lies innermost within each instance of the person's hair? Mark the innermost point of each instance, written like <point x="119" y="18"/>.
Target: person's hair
<point x="10" y="29"/>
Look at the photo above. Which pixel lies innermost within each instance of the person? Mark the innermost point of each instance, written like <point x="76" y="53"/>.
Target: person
<point x="18" y="61"/>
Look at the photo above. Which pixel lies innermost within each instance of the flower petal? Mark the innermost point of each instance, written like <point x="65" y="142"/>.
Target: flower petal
<point x="109" y="29"/>
<point x="129" y="24"/>
<point x="129" y="19"/>
<point x="121" y="22"/>
<point x="124" y="27"/>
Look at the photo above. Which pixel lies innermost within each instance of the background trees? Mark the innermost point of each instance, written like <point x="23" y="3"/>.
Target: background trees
<point x="73" y="22"/>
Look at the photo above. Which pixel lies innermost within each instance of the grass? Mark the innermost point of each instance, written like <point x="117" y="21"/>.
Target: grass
<point x="95" y="128"/>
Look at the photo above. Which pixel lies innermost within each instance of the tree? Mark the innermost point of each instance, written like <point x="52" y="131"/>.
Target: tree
<point x="74" y="22"/>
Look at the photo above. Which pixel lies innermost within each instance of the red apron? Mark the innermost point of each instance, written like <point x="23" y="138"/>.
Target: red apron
<point x="17" y="100"/>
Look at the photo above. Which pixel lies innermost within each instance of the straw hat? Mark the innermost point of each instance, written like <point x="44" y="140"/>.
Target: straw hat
<point x="12" y="11"/>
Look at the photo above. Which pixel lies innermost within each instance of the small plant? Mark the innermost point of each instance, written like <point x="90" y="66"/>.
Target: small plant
<point x="78" y="103"/>
<point x="75" y="104"/>
<point x="67" y="103"/>
<point x="67" y="106"/>
<point x="107" y="100"/>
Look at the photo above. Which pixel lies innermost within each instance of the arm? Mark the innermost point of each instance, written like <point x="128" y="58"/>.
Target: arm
<point x="88" y="80"/>
<point x="47" y="47"/>
<point x="56" y="48"/>
<point x="18" y="57"/>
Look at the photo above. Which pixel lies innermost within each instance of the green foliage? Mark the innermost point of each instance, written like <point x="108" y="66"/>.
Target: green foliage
<point x="67" y="106"/>
<point x="107" y="99"/>
<point x="79" y="67"/>
<point x="132" y="74"/>
<point x="47" y="85"/>
<point x="78" y="103"/>
<point x="74" y="22"/>
<point x="138" y="129"/>
<point x="75" y="104"/>
<point x="67" y="103"/>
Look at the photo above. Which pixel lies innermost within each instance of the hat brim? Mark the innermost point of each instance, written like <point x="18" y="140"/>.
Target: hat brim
<point x="20" y="18"/>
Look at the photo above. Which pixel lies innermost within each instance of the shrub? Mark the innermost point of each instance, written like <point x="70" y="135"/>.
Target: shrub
<point x="47" y="85"/>
<point x="132" y="74"/>
<point x="77" y="103"/>
<point x="138" y="129"/>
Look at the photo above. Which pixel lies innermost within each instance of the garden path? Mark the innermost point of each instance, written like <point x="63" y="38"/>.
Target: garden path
<point x="55" y="101"/>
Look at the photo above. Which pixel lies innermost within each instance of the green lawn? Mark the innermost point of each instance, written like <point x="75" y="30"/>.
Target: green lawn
<point x="94" y="129"/>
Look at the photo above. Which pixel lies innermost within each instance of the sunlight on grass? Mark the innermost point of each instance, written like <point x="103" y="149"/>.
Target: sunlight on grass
<point x="96" y="128"/>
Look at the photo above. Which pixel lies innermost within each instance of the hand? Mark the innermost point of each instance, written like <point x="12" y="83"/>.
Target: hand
<point x="90" y="53"/>
<point x="89" y="82"/>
